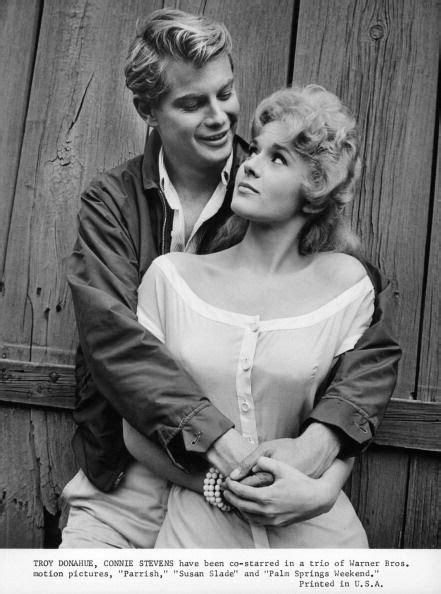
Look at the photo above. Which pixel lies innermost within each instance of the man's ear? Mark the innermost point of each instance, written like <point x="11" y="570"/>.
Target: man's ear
<point x="145" y="111"/>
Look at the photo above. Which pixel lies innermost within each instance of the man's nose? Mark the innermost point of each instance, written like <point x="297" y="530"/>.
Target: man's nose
<point x="216" y="115"/>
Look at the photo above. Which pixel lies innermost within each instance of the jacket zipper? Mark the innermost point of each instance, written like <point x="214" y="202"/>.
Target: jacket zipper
<point x="164" y="223"/>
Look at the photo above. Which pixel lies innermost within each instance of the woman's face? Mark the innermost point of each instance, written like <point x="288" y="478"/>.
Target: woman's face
<point x="268" y="184"/>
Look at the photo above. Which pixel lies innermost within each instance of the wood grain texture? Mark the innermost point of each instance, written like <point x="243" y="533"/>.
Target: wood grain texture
<point x="422" y="528"/>
<point x="429" y="379"/>
<point x="377" y="489"/>
<point x="50" y="386"/>
<point x="19" y="21"/>
<point x="80" y="120"/>
<point x="35" y="464"/>
<point x="412" y="425"/>
<point x="261" y="33"/>
<point x="21" y="514"/>
<point x="381" y="58"/>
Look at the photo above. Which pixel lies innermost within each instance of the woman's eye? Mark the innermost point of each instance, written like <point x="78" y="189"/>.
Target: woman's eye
<point x="279" y="160"/>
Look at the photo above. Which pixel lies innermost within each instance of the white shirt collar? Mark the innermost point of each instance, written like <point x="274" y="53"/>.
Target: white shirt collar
<point x="164" y="178"/>
<point x="210" y="209"/>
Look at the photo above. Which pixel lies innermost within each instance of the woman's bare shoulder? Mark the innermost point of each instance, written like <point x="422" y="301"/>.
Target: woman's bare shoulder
<point x="195" y="267"/>
<point x="185" y="262"/>
<point x="339" y="270"/>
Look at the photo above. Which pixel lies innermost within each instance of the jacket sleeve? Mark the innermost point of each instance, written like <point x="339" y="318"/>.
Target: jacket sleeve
<point x="129" y="366"/>
<point x="354" y="396"/>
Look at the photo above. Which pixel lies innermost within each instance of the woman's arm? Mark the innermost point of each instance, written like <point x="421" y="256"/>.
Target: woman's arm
<point x="155" y="459"/>
<point x="293" y="497"/>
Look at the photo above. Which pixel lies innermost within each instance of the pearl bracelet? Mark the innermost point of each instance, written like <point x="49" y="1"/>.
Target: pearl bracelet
<point x="213" y="491"/>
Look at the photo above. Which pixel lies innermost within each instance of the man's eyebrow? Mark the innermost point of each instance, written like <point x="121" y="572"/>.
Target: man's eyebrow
<point x="188" y="96"/>
<point x="196" y="96"/>
<point x="228" y="83"/>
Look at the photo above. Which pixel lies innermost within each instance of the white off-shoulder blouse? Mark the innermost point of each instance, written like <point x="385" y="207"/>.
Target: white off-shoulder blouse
<point x="263" y="375"/>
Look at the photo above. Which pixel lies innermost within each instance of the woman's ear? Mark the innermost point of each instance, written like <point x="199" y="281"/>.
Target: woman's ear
<point x="312" y="208"/>
<point x="308" y="208"/>
<point x="145" y="111"/>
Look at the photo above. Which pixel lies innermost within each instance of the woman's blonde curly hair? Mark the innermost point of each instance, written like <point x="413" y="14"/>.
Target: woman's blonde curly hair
<point x="323" y="132"/>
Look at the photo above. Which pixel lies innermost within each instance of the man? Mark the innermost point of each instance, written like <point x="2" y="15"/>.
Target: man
<point x="176" y="197"/>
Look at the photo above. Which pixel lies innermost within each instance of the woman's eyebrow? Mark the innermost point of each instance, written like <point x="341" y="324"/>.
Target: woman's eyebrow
<point x="281" y="147"/>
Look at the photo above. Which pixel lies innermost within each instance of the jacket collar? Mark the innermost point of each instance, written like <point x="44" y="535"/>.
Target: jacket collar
<point x="150" y="170"/>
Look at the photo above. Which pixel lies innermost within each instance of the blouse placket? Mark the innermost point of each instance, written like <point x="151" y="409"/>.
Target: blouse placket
<point x="246" y="406"/>
<point x="243" y="382"/>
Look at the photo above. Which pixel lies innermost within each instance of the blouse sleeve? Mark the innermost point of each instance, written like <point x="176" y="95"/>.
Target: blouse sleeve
<point x="357" y="319"/>
<point x="151" y="305"/>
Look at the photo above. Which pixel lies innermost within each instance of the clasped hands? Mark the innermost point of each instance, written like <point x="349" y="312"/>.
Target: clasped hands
<point x="284" y="480"/>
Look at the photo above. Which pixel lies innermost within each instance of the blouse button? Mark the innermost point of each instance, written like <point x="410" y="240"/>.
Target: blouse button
<point x="245" y="406"/>
<point x="246" y="364"/>
<point x="254" y="327"/>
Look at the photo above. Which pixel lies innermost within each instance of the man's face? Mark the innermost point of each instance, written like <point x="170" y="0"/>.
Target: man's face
<point x="197" y="117"/>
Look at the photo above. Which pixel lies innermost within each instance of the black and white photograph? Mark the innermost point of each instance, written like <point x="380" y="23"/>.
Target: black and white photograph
<point x="220" y="296"/>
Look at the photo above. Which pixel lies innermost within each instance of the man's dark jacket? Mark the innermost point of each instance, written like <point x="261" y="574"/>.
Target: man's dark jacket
<point x="124" y="371"/>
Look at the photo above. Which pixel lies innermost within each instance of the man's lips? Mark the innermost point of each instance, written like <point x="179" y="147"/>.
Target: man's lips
<point x="214" y="137"/>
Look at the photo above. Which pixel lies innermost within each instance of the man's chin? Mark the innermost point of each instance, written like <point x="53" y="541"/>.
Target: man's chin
<point x="217" y="154"/>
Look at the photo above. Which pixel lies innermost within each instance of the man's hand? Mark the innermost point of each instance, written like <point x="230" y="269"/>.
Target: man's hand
<point x="229" y="451"/>
<point x="312" y="453"/>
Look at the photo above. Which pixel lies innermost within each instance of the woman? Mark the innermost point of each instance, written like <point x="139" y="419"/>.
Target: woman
<point x="258" y="326"/>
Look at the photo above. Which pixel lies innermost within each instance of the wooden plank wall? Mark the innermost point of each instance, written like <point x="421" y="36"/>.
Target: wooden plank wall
<point x="375" y="56"/>
<point x="68" y="116"/>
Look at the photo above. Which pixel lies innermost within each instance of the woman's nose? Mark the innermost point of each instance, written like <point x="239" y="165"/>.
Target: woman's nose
<point x="251" y="165"/>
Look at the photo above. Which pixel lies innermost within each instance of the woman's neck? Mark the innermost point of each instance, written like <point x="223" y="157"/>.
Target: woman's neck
<point x="272" y="249"/>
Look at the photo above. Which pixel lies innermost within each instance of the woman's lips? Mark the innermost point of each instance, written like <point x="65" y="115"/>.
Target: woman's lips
<point x="244" y="186"/>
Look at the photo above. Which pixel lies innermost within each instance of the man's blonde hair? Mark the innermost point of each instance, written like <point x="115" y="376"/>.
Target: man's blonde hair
<point x="167" y="35"/>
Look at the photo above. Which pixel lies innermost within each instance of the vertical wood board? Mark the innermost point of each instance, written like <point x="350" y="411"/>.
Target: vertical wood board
<point x="377" y="489"/>
<point x="429" y="380"/>
<point x="81" y="120"/>
<point x="380" y="58"/>
<point x="21" y="512"/>
<point x="36" y="461"/>
<point x="423" y="511"/>
<point x="19" y="20"/>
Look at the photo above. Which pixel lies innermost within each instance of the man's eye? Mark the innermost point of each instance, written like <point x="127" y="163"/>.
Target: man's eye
<point x="225" y="95"/>
<point x="190" y="106"/>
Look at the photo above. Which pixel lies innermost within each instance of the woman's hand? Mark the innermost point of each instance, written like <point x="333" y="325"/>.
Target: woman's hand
<point x="312" y="452"/>
<point x="293" y="497"/>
